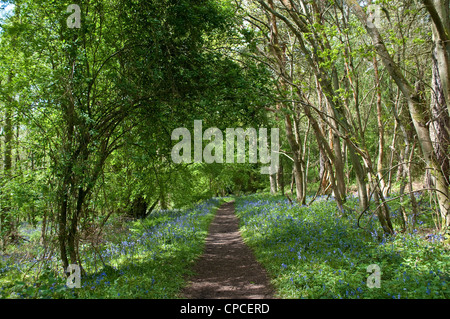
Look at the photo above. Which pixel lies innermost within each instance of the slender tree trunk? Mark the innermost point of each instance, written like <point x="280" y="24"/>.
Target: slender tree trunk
<point x="305" y="158"/>
<point x="414" y="205"/>
<point x="43" y="239"/>
<point x="387" y="190"/>
<point x="298" y="175"/>
<point x="380" y="128"/>
<point x="273" y="183"/>
<point x="279" y="54"/>
<point x="280" y="177"/>
<point x="6" y="222"/>
<point x="66" y="172"/>
<point x="9" y="137"/>
<point x="62" y="222"/>
<point x="439" y="11"/>
<point x="382" y="210"/>
<point x="418" y="110"/>
<point x="339" y="166"/>
<point x="322" y="172"/>
<point x="72" y="240"/>
<point x="440" y="121"/>
<point x="292" y="182"/>
<point x="339" y="189"/>
<point x="360" y="179"/>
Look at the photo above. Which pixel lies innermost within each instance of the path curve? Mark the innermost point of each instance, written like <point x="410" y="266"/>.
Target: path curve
<point x="227" y="269"/>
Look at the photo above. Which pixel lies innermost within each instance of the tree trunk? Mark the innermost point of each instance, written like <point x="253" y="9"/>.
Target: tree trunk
<point x="273" y="183"/>
<point x="305" y="159"/>
<point x="5" y="218"/>
<point x="440" y="15"/>
<point x="280" y="177"/>
<point x="72" y="240"/>
<point x="62" y="222"/>
<point x="440" y="121"/>
<point x="387" y="190"/>
<point x="380" y="128"/>
<point x="418" y="111"/>
<point x="339" y="189"/>
<point x="298" y="174"/>
<point x="67" y="175"/>
<point x="414" y="205"/>
<point x="43" y="239"/>
<point x="279" y="53"/>
<point x="360" y="179"/>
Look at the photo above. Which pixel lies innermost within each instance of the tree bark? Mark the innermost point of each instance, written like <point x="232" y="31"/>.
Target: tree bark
<point x="279" y="54"/>
<point x="5" y="210"/>
<point x="417" y="109"/>
<point x="380" y="128"/>
<point x="298" y="175"/>
<point x="280" y="177"/>
<point x="273" y="183"/>
<point x="440" y="121"/>
<point x="439" y="11"/>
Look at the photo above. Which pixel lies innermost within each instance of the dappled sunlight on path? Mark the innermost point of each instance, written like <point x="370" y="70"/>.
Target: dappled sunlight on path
<point x="228" y="268"/>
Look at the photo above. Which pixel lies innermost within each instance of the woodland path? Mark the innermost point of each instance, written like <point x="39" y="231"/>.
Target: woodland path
<point x="227" y="269"/>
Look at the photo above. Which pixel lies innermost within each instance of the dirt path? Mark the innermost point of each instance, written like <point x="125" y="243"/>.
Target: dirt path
<point x="228" y="268"/>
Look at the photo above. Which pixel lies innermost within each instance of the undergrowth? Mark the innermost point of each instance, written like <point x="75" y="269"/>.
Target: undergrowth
<point x="149" y="258"/>
<point x="313" y="252"/>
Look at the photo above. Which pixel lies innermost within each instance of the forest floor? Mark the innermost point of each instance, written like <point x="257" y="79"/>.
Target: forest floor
<point x="227" y="269"/>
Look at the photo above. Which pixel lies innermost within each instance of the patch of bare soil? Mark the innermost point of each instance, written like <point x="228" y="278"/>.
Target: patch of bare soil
<point x="227" y="269"/>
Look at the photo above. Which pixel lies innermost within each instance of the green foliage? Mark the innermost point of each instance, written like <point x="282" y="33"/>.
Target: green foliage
<point x="310" y="253"/>
<point x="149" y="259"/>
<point x="98" y="104"/>
<point x="86" y="117"/>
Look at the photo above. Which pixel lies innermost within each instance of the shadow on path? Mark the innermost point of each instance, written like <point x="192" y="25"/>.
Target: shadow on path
<point x="227" y="269"/>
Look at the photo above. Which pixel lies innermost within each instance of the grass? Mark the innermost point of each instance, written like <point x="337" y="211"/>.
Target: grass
<point x="311" y="252"/>
<point x="149" y="258"/>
